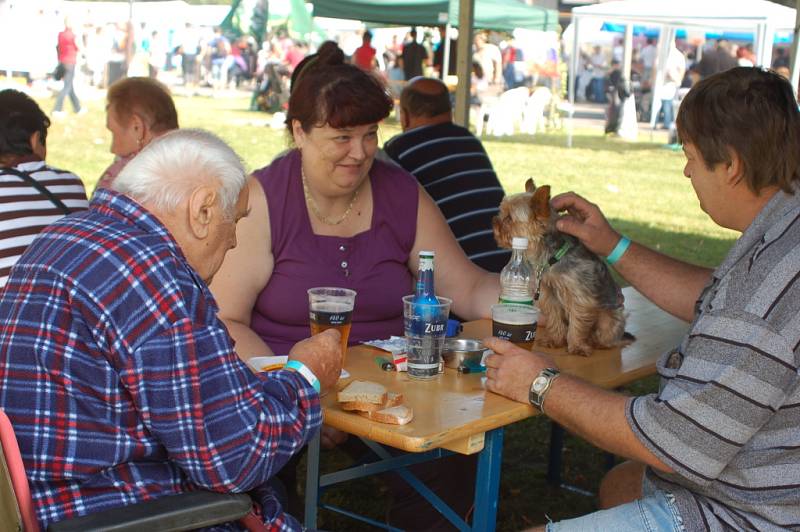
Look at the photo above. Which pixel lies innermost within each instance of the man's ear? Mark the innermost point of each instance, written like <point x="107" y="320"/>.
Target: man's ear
<point x="734" y="169"/>
<point x="37" y="146"/>
<point x="202" y="204"/>
<point x="403" y="119"/>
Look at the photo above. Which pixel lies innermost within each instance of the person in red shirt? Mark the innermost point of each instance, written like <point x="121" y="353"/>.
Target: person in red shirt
<point x="67" y="58"/>
<point x="364" y="56"/>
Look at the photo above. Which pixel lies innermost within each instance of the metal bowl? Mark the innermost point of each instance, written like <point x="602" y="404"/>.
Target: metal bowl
<point x="461" y="351"/>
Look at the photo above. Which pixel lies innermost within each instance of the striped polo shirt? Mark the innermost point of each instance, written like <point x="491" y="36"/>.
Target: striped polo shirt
<point x="727" y="417"/>
<point x="452" y="166"/>
<point x="24" y="211"/>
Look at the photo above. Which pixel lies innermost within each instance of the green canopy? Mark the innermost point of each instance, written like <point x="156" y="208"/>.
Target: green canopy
<point x="501" y="15"/>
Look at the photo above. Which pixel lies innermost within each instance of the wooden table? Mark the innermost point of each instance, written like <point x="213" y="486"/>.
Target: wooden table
<point x="454" y="412"/>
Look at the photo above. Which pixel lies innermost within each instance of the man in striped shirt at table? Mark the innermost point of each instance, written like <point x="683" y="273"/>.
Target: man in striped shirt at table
<point x="121" y="382"/>
<point x="718" y="447"/>
<point x="452" y="166"/>
<point x="32" y="193"/>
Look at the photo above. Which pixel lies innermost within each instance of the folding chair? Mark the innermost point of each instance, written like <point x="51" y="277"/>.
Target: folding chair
<point x="185" y="511"/>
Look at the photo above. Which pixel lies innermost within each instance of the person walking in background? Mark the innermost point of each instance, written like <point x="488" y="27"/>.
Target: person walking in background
<point x="414" y="55"/>
<point x="67" y="59"/>
<point x="616" y="92"/>
<point x="364" y="56"/>
<point x="32" y="194"/>
<point x="673" y="75"/>
<point x="453" y="167"/>
<point x="599" y="63"/>
<point x="490" y="59"/>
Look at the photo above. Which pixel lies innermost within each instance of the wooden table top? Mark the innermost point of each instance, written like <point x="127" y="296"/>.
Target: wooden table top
<point x="454" y="410"/>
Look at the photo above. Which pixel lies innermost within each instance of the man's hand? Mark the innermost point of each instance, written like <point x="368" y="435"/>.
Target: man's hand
<point x="322" y="354"/>
<point x="511" y="369"/>
<point x="586" y="222"/>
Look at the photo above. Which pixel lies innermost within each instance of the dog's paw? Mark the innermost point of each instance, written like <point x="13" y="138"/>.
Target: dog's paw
<point x="583" y="350"/>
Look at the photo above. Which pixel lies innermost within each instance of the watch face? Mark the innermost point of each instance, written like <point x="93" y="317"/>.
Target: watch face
<point x="539" y="384"/>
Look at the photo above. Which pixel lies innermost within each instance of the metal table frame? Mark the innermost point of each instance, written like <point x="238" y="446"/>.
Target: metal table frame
<point x="487" y="482"/>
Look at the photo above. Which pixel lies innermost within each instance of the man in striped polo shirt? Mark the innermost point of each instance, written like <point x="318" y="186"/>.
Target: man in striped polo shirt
<point x="32" y="194"/>
<point x="452" y="165"/>
<point x="717" y="448"/>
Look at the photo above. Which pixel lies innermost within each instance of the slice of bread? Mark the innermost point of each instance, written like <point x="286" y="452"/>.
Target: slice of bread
<point x="392" y="399"/>
<point x="363" y="392"/>
<point x="395" y="415"/>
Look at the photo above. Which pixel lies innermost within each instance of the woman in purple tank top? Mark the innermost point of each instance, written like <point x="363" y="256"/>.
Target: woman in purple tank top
<point x="329" y="214"/>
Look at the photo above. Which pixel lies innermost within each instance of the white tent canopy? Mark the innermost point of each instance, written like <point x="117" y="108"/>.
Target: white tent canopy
<point x="762" y="17"/>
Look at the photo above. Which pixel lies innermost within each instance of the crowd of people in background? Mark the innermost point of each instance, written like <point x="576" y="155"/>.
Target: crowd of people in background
<point x="600" y="77"/>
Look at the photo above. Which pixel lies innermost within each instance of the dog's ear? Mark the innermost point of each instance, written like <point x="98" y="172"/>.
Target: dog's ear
<point x="529" y="185"/>
<point x="540" y="202"/>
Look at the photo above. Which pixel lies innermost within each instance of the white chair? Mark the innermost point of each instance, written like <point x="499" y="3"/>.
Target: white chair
<point x="507" y="112"/>
<point x="533" y="114"/>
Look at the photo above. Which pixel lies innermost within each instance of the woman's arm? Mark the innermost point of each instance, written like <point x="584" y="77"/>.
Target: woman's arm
<point x="244" y="274"/>
<point x="472" y="289"/>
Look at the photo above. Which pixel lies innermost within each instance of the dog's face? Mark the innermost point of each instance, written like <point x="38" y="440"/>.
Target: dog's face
<point x="525" y="214"/>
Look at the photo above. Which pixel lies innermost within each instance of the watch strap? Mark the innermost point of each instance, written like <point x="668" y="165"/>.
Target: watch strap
<point x="535" y="397"/>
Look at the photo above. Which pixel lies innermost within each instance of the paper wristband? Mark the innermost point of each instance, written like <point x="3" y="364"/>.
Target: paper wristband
<point x="619" y="250"/>
<point x="303" y="370"/>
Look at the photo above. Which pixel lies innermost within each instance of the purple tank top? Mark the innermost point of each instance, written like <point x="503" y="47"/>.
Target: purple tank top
<point x="374" y="263"/>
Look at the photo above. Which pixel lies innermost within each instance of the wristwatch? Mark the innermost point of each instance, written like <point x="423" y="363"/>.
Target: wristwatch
<point x="540" y="386"/>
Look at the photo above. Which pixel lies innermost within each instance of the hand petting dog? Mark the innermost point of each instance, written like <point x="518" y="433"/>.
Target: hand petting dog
<point x="585" y="221"/>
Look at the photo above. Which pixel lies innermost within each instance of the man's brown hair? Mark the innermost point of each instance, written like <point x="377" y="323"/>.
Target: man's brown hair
<point x="752" y="112"/>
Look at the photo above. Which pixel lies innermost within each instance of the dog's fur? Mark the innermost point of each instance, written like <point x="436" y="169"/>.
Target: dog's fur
<point x="580" y="304"/>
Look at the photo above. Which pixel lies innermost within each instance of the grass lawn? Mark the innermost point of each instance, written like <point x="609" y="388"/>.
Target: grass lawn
<point x="639" y="186"/>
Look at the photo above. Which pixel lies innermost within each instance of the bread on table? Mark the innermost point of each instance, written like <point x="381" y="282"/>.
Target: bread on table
<point x="395" y="415"/>
<point x="366" y="392"/>
<point x="372" y="401"/>
<point x="392" y="399"/>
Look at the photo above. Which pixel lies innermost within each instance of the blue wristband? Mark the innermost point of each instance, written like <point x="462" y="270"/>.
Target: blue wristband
<point x="619" y="250"/>
<point x="303" y="370"/>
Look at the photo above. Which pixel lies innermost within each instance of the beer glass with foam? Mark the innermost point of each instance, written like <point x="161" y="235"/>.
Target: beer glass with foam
<point x="331" y="308"/>
<point x="515" y="323"/>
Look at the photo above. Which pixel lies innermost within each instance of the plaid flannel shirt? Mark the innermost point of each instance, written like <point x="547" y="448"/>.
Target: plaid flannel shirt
<point x="121" y="382"/>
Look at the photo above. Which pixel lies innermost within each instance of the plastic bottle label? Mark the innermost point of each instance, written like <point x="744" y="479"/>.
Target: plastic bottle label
<point x="516" y="301"/>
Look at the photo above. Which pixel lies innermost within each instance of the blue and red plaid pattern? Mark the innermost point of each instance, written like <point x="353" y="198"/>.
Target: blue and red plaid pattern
<point x="121" y="382"/>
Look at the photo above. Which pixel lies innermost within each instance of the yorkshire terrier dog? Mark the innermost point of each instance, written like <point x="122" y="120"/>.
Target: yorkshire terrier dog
<point x="580" y="304"/>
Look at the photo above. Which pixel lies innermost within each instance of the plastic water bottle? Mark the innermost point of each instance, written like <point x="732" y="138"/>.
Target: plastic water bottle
<point x="516" y="276"/>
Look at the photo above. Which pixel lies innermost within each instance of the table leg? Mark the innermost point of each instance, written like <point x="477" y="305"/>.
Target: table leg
<point x="312" y="481"/>
<point x="487" y="482"/>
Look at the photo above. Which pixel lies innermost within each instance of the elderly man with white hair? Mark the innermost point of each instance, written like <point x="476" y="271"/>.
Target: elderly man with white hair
<point x="120" y="381"/>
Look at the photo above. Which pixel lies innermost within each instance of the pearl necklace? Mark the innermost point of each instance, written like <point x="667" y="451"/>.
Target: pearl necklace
<point x="313" y="204"/>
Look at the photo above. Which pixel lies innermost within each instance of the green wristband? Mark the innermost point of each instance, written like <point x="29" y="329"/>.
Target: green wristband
<point x="619" y="250"/>
<point x="303" y="370"/>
